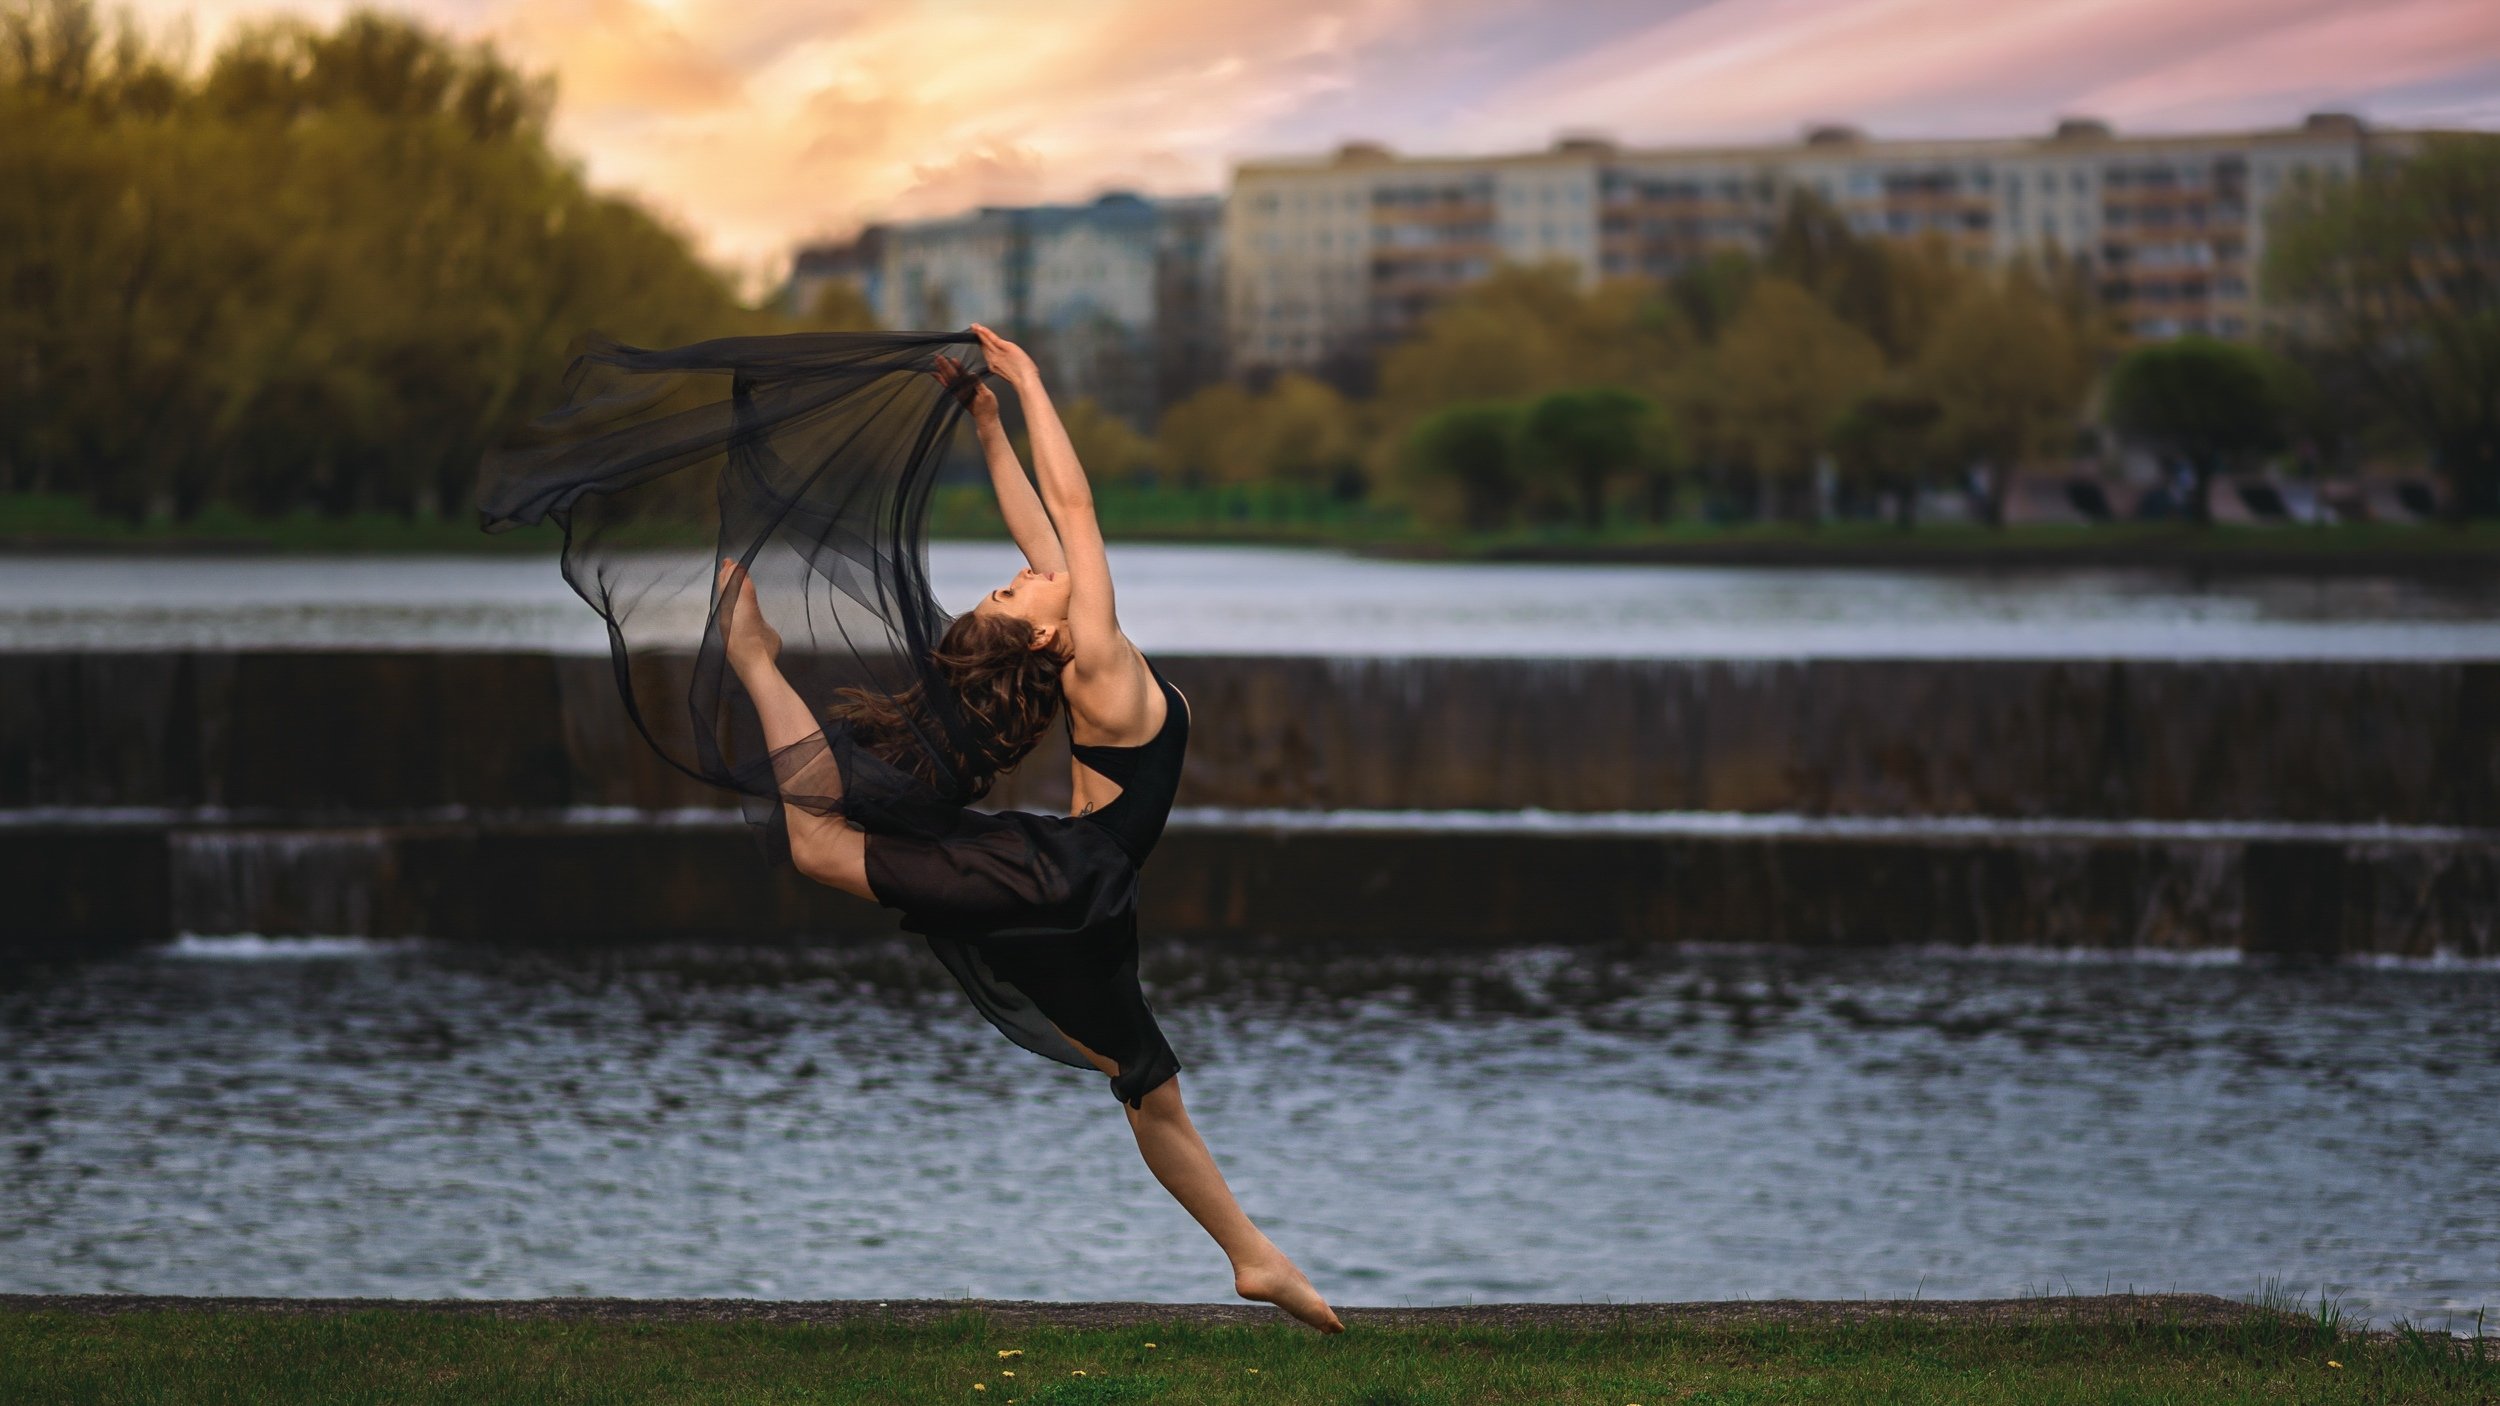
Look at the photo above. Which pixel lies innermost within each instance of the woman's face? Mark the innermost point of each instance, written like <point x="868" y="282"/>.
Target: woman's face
<point x="1039" y="598"/>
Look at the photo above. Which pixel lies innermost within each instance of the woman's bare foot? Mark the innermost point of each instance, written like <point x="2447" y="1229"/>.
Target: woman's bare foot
<point x="1272" y="1278"/>
<point x="743" y="626"/>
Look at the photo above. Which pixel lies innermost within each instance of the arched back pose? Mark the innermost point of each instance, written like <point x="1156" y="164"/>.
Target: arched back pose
<point x="1035" y="914"/>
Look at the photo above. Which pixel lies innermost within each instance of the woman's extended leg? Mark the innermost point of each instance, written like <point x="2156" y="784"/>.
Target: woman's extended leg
<point x="822" y="847"/>
<point x="1180" y="1160"/>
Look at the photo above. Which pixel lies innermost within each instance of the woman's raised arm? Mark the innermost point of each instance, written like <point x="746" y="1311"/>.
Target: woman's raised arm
<point x="1070" y="501"/>
<point x="1027" y="522"/>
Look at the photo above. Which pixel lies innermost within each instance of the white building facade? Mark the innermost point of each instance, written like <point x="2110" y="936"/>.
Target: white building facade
<point x="1335" y="256"/>
<point x="1119" y="298"/>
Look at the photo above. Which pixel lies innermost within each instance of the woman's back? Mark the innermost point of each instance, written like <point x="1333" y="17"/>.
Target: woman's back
<point x="1143" y="779"/>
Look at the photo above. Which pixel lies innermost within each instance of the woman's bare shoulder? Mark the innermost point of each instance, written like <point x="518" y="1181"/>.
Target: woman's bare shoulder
<point x="1108" y="688"/>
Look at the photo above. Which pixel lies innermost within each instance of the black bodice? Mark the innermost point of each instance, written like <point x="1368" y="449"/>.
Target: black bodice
<point x="1148" y="774"/>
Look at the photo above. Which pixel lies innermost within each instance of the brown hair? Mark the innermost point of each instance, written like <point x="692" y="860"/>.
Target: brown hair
<point x="1007" y="688"/>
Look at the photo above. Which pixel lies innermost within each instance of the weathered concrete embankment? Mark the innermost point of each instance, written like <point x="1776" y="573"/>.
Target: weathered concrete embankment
<point x="303" y="737"/>
<point x="88" y="888"/>
<point x="2286" y="807"/>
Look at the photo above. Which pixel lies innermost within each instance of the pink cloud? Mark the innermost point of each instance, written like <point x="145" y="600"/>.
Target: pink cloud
<point x="2330" y="58"/>
<point x="1745" y="70"/>
<point x="757" y="124"/>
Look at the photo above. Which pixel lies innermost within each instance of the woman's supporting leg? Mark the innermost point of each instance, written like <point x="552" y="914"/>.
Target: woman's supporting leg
<point x="1179" y="1159"/>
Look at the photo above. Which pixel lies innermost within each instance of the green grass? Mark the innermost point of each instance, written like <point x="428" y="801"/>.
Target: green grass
<point x="408" y="1356"/>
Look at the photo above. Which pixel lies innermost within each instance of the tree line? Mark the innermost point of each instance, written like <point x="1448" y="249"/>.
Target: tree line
<point x="328" y="267"/>
<point x="1841" y="371"/>
<point x="325" y="268"/>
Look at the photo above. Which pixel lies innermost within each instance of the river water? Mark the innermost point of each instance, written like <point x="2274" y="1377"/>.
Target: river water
<point x="1251" y="600"/>
<point x="245" y="1116"/>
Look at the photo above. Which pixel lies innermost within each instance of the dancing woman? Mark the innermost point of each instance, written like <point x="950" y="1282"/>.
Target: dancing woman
<point x="1033" y="914"/>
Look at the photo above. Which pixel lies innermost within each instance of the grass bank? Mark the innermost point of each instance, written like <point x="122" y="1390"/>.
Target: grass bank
<point x="2061" y="1351"/>
<point x="58" y="522"/>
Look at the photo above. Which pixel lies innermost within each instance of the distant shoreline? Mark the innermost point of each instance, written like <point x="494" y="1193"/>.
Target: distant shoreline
<point x="2427" y="553"/>
<point x="2243" y="552"/>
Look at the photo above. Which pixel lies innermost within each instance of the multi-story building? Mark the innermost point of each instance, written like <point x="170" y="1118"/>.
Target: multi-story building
<point x="859" y="262"/>
<point x="1120" y="298"/>
<point x="1331" y="257"/>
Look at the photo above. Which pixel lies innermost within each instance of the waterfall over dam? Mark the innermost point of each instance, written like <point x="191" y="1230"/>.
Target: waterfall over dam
<point x="2318" y="807"/>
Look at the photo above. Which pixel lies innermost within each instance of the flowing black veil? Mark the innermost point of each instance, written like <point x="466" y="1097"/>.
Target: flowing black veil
<point x="812" y="455"/>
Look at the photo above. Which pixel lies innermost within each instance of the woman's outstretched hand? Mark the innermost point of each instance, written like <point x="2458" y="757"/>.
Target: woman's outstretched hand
<point x="745" y="636"/>
<point x="1008" y="359"/>
<point x="966" y="387"/>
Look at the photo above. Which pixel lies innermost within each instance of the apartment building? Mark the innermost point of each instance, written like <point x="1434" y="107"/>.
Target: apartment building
<point x="1120" y="298"/>
<point x="858" y="262"/>
<point x="1330" y="257"/>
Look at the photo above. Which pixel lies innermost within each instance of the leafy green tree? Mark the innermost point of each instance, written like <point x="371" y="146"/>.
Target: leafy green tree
<point x="1210" y="437"/>
<point x="840" y="307"/>
<point x="1779" y="382"/>
<point x="1524" y="332"/>
<point x="1591" y="438"/>
<point x="1300" y="432"/>
<point x="1108" y="447"/>
<point x="1520" y="332"/>
<point x="1471" y="449"/>
<point x="326" y="270"/>
<point x="1886" y="440"/>
<point x="2391" y="281"/>
<point x="1889" y="289"/>
<point x="1309" y="436"/>
<point x="2006" y="370"/>
<point x="1708" y="293"/>
<point x="2211" y="403"/>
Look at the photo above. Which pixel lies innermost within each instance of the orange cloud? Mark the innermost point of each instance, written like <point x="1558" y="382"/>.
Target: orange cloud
<point x="622" y="55"/>
<point x="757" y="124"/>
<point x="758" y="127"/>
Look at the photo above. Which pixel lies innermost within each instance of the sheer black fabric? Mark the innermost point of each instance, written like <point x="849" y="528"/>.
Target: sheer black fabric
<point x="812" y="456"/>
<point x="1035" y="915"/>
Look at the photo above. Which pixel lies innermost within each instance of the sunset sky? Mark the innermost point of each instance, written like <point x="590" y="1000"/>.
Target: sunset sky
<point x="760" y="122"/>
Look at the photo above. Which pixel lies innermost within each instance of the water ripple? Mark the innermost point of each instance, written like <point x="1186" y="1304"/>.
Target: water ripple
<point x="248" y="1115"/>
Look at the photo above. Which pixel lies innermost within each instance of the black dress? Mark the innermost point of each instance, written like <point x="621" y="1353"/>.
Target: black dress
<point x="811" y="458"/>
<point x="1036" y="915"/>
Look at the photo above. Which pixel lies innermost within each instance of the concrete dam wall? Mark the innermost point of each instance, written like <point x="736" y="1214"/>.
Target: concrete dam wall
<point x="352" y="735"/>
<point x="92" y="889"/>
<point x="2281" y="807"/>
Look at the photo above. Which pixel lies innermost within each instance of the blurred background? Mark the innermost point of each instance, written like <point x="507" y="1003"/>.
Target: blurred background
<point x="1839" y="650"/>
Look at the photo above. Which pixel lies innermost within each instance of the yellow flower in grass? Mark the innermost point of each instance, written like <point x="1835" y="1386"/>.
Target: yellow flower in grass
<point x="1007" y="1352"/>
<point x="1150" y="1344"/>
<point x="1076" y="1374"/>
<point x="980" y="1386"/>
<point x="2333" y="1363"/>
<point x="1004" y="1372"/>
